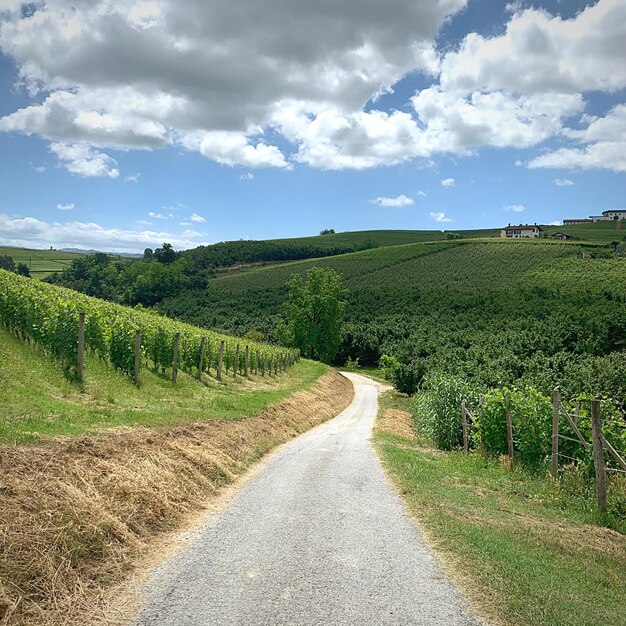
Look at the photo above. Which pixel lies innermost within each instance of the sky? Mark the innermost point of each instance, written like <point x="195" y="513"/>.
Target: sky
<point x="128" y="123"/>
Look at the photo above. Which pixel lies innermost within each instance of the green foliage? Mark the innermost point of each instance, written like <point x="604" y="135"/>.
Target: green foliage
<point x="314" y="312"/>
<point x="437" y="412"/>
<point x="22" y="270"/>
<point x="48" y="315"/>
<point x="406" y="376"/>
<point x="352" y="366"/>
<point x="387" y="365"/>
<point x="531" y="416"/>
<point x="7" y="263"/>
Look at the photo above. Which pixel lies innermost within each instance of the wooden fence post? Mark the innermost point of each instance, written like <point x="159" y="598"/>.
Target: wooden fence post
<point x="137" y="356"/>
<point x="201" y="363"/>
<point x="464" y="427"/>
<point x="246" y="365"/>
<point x="80" y="358"/>
<point x="556" y="411"/>
<point x="175" y="358"/>
<point x="220" y="361"/>
<point x="236" y="362"/>
<point x="598" y="455"/>
<point x="509" y="425"/>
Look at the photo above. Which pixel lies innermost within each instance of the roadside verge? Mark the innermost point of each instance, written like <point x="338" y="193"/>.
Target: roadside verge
<point x="77" y="512"/>
<point x="520" y="552"/>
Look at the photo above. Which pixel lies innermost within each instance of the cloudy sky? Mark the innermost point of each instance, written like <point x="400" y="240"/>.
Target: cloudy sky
<point x="126" y="123"/>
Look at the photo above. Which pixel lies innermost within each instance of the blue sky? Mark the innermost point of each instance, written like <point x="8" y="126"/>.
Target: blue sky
<point x="126" y="124"/>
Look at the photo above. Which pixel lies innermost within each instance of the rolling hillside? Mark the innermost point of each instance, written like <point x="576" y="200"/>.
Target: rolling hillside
<point x="500" y="310"/>
<point x="41" y="263"/>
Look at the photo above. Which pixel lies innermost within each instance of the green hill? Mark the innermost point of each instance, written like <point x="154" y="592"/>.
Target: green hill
<point x="596" y="231"/>
<point x="41" y="263"/>
<point x="502" y="311"/>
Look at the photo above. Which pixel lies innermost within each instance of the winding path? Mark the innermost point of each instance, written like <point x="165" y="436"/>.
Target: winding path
<point x="316" y="537"/>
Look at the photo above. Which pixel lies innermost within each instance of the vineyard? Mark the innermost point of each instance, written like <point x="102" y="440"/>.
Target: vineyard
<point x="50" y="316"/>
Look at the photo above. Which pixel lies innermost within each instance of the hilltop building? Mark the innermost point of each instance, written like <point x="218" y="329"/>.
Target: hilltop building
<point x="605" y="217"/>
<point x="530" y="231"/>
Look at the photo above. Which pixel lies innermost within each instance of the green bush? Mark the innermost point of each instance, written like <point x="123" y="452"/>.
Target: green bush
<point x="531" y="416"/>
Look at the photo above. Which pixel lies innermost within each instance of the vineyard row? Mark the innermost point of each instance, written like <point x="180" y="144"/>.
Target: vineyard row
<point x="62" y="320"/>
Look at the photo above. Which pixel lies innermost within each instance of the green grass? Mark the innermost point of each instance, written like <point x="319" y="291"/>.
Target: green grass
<point x="525" y="552"/>
<point x="38" y="400"/>
<point x="41" y="263"/>
<point x="383" y="238"/>
<point x="604" y="232"/>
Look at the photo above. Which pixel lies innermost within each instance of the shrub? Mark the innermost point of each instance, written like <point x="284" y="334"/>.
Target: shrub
<point x="406" y="377"/>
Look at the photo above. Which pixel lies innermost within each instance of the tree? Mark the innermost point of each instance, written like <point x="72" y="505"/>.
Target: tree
<point x="7" y="263"/>
<point x="166" y="254"/>
<point x="22" y="270"/>
<point x="315" y="311"/>
<point x="327" y="231"/>
<point x="148" y="254"/>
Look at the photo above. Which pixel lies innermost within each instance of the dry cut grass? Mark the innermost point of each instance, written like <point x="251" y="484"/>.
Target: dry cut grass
<point x="78" y="511"/>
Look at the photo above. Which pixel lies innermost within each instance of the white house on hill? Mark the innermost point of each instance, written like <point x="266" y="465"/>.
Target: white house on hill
<point x="531" y="231"/>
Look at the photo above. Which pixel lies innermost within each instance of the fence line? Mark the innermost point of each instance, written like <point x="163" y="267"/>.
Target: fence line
<point x="598" y="444"/>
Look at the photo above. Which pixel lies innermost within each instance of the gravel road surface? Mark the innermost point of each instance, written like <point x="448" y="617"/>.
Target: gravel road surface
<point x="316" y="537"/>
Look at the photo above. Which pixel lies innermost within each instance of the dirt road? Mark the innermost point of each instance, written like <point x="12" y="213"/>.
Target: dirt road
<point x="316" y="537"/>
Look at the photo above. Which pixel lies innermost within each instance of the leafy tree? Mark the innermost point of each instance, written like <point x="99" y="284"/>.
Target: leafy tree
<point x="148" y="254"/>
<point x="315" y="309"/>
<point x="166" y="254"/>
<point x="22" y="269"/>
<point x="6" y="263"/>
<point x="327" y="231"/>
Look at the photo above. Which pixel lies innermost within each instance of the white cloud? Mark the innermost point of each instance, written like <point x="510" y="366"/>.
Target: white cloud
<point x="227" y="79"/>
<point x="605" y="139"/>
<point x="234" y="148"/>
<point x="439" y="216"/>
<point x="40" y="169"/>
<point x="160" y="216"/>
<point x="198" y="219"/>
<point x="563" y="182"/>
<point x="32" y="232"/>
<point x="399" y="201"/>
<point x="247" y="176"/>
<point x="421" y="194"/>
<point x="84" y="160"/>
<point x="448" y="182"/>
<point x="555" y="223"/>
<point x="66" y="207"/>
<point x="137" y="74"/>
<point x="515" y="208"/>
<point x="132" y="178"/>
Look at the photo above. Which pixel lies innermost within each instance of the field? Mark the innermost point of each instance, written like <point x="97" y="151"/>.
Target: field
<point x="598" y="231"/>
<point x="41" y="263"/>
<point x="384" y="238"/>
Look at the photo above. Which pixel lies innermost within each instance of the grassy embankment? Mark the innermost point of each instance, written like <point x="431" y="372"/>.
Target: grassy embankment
<point x="92" y="476"/>
<point x="38" y="400"/>
<point x="523" y="551"/>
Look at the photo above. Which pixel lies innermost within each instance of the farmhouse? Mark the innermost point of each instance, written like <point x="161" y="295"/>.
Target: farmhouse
<point x="523" y="230"/>
<point x="606" y="216"/>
